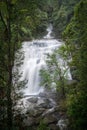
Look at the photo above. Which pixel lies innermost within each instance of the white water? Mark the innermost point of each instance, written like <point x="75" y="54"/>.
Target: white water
<point x="34" y="59"/>
<point x="49" y="30"/>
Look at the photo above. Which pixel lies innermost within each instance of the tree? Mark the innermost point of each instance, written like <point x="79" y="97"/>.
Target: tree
<point x="63" y="11"/>
<point x="56" y="73"/>
<point x="76" y="35"/>
<point x="12" y="28"/>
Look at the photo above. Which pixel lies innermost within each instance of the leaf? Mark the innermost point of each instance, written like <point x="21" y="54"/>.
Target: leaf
<point x="13" y="1"/>
<point x="3" y="9"/>
<point x="24" y="29"/>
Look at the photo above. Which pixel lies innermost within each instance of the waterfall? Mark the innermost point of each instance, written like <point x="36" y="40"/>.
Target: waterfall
<point x="49" y="30"/>
<point x="35" y="55"/>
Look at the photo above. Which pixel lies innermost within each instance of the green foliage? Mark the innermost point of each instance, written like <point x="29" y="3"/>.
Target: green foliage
<point x="75" y="53"/>
<point x="13" y="1"/>
<point x="19" y="20"/>
<point x="43" y="126"/>
<point x="62" y="14"/>
<point x="34" y="18"/>
<point x="75" y="36"/>
<point x="77" y="109"/>
<point x="45" y="81"/>
<point x="56" y="73"/>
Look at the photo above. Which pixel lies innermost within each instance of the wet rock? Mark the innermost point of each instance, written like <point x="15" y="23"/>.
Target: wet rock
<point x="40" y="109"/>
<point x="53" y="127"/>
<point x="63" y="124"/>
<point x="48" y="111"/>
<point x="29" y="121"/>
<point x="35" y="113"/>
<point x="39" y="43"/>
<point x="45" y="107"/>
<point x="38" y="61"/>
<point x="33" y="99"/>
<point x="49" y="119"/>
<point x="42" y="95"/>
<point x="44" y="103"/>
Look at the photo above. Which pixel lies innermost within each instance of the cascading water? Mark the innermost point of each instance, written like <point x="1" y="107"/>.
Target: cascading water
<point x="34" y="104"/>
<point x="34" y="59"/>
<point x="49" y="30"/>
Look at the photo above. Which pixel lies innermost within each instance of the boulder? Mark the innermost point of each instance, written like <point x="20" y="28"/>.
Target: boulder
<point x="35" y="112"/>
<point x="53" y="127"/>
<point x="48" y="111"/>
<point x="49" y="119"/>
<point x="42" y="95"/>
<point x="43" y="103"/>
<point x="33" y="99"/>
<point x="29" y="121"/>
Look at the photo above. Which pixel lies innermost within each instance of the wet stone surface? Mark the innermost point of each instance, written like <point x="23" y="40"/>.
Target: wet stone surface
<point x="44" y="107"/>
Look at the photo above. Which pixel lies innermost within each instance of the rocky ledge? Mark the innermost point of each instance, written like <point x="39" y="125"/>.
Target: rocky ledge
<point x="42" y="108"/>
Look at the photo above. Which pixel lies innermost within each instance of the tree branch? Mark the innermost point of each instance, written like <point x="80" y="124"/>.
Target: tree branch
<point x="2" y="19"/>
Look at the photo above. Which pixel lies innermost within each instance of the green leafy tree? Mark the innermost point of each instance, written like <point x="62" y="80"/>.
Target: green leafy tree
<point x="63" y="11"/>
<point x="75" y="36"/>
<point x="15" y="18"/>
<point x="56" y="73"/>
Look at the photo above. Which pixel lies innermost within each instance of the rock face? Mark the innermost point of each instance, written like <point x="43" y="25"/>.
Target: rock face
<point x="43" y="107"/>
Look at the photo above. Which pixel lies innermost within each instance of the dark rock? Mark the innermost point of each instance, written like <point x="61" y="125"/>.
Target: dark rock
<point x="29" y="121"/>
<point x="46" y="107"/>
<point x="43" y="103"/>
<point x="53" y="127"/>
<point x="42" y="95"/>
<point x="33" y="99"/>
<point x="48" y="111"/>
<point x="38" y="61"/>
<point x="49" y="119"/>
<point x="35" y="113"/>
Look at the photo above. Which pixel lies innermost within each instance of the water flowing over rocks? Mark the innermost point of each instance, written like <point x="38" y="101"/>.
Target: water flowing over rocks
<point x="39" y="104"/>
<point x="35" y="56"/>
<point x="44" y="107"/>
